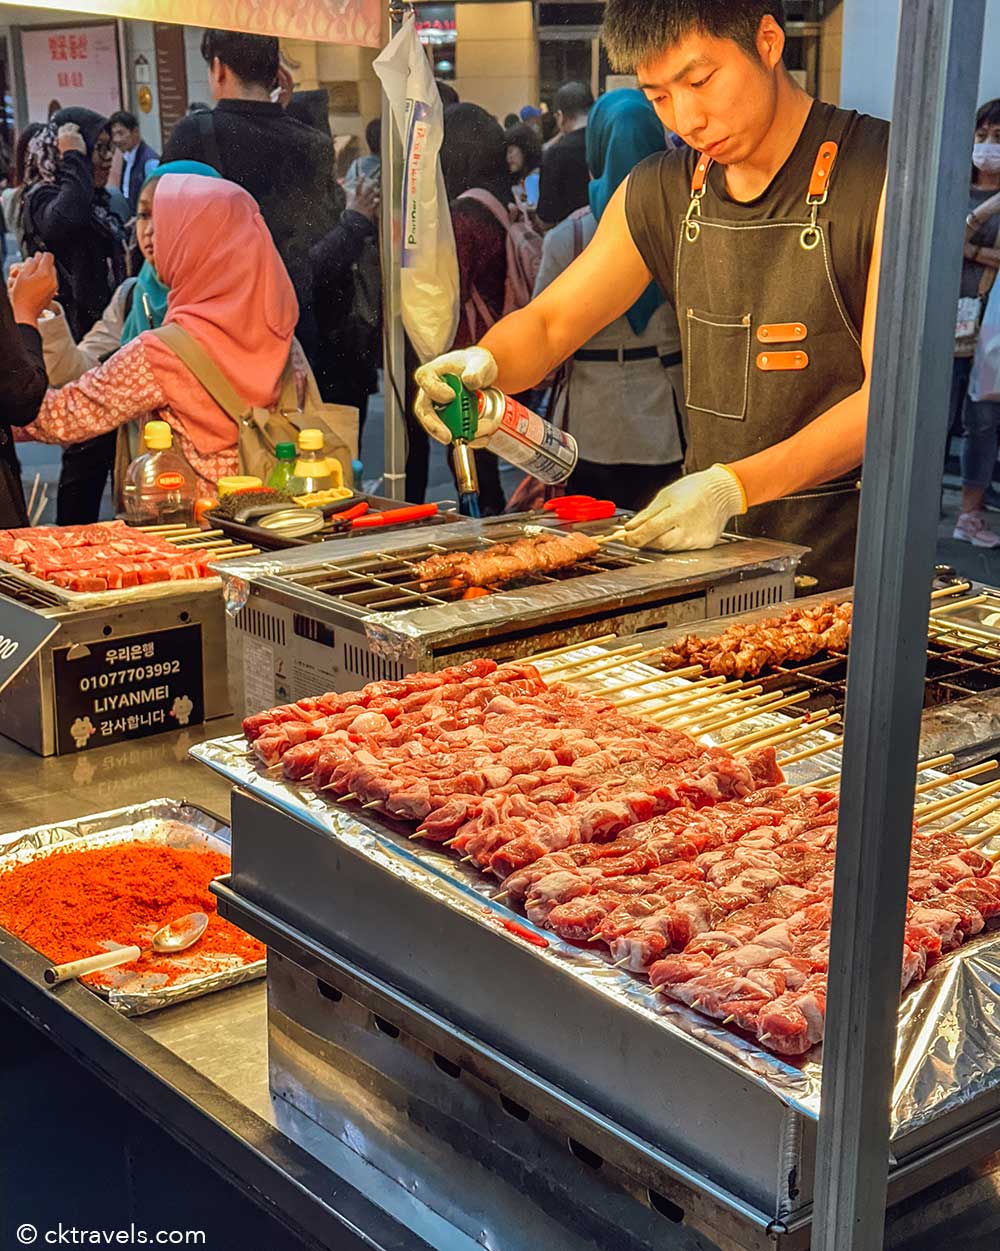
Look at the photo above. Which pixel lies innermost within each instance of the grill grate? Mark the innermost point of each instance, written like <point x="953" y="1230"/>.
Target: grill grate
<point x="954" y="671"/>
<point x="387" y="582"/>
<point x="24" y="593"/>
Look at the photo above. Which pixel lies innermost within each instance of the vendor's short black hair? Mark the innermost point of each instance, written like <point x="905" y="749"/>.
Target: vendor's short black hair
<point x="123" y="118"/>
<point x="252" y="58"/>
<point x="635" y="30"/>
<point x="573" y="100"/>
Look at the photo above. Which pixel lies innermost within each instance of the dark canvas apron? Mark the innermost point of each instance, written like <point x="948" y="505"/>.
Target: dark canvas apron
<point x="768" y="346"/>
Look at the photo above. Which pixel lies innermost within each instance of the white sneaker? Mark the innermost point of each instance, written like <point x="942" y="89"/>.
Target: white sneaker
<point x="973" y="528"/>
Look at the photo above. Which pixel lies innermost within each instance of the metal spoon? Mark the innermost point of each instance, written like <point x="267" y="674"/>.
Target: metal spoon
<point x="172" y="938"/>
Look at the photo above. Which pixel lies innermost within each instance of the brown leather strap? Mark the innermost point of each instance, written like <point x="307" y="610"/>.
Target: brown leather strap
<point x="819" y="181"/>
<point x="702" y="166"/>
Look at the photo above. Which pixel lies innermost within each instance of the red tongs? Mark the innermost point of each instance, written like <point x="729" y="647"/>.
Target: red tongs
<point x="580" y="508"/>
<point x="396" y="516"/>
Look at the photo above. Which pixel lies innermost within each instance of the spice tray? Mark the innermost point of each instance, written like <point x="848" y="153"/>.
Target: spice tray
<point x="172" y="823"/>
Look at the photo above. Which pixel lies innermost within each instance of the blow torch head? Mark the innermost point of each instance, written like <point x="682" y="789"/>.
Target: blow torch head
<point x="460" y="415"/>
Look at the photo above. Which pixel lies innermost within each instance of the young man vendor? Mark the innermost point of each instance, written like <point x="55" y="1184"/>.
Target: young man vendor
<point x="766" y="235"/>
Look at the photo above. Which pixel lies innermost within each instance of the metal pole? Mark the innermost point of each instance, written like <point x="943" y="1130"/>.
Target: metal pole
<point x="936" y="75"/>
<point x="390" y="241"/>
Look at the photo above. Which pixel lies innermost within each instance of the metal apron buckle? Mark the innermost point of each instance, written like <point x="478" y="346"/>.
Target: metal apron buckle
<point x="819" y="188"/>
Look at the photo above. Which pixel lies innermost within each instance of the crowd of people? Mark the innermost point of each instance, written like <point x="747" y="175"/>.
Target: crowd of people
<point x="242" y="233"/>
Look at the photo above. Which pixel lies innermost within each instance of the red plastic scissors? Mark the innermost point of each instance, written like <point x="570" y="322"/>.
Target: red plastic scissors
<point x="580" y="508"/>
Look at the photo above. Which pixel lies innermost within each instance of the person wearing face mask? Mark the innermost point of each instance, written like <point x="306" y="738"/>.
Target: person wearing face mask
<point x="765" y="234"/>
<point x="979" y="420"/>
<point x="66" y="210"/>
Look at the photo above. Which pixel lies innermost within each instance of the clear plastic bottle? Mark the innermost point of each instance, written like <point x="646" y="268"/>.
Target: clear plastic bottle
<point x="313" y="471"/>
<point x="160" y="486"/>
<point x="284" y="469"/>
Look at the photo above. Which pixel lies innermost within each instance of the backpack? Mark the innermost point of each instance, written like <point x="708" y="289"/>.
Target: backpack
<point x="262" y="429"/>
<point x="524" y="258"/>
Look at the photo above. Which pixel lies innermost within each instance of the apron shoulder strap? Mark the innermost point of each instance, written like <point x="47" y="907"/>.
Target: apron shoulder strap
<point x="819" y="180"/>
<point x="701" y="168"/>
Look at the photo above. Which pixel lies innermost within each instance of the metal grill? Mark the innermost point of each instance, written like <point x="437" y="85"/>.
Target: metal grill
<point x="24" y="593"/>
<point x="388" y="582"/>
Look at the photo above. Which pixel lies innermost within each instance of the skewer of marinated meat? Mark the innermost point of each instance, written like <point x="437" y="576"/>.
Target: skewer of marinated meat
<point x="507" y="562"/>
<point x="744" y="649"/>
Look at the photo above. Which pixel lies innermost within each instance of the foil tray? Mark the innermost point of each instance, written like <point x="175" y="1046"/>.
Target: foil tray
<point x="167" y="821"/>
<point x="948" y="1042"/>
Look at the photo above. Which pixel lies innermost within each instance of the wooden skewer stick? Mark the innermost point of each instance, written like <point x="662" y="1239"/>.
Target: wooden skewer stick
<point x="644" y="697"/>
<point x="172" y="528"/>
<point x="372" y="803"/>
<point x="751" y="707"/>
<point x="970" y="818"/>
<point x="956" y="604"/>
<point x="416" y="834"/>
<point x="500" y="895"/>
<point x="987" y="766"/>
<point x="946" y="592"/>
<point x="629" y="683"/>
<point x="934" y="763"/>
<point x="194" y="533"/>
<point x="608" y="661"/>
<point x="686" y="715"/>
<point x="246" y="550"/>
<point x="954" y="803"/>
<point x="806" y="752"/>
<point x="817" y="784"/>
<point x="618" y="660"/>
<point x="772" y="737"/>
<point x="678" y="700"/>
<point x="553" y="652"/>
<point x="346" y="799"/>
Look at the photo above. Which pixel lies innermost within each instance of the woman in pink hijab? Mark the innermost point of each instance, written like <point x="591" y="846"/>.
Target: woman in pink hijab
<point x="230" y="291"/>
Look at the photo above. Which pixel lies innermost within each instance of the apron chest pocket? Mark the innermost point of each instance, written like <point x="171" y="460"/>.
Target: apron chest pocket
<point x="718" y="363"/>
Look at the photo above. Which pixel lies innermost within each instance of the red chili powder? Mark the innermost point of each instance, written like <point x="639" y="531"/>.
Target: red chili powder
<point x="66" y="904"/>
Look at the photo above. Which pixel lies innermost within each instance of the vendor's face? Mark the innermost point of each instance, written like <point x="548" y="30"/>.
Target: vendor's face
<point x="144" y="221"/>
<point x="103" y="152"/>
<point x="515" y="158"/>
<point x="711" y="92"/>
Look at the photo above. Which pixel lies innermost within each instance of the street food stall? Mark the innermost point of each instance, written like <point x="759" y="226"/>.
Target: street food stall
<point x="634" y="979"/>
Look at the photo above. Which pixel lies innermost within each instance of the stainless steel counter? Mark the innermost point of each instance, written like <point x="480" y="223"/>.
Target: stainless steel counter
<point x="199" y="1070"/>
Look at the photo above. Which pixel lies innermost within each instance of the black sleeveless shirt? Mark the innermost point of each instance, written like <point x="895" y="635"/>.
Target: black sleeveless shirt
<point x="659" y="190"/>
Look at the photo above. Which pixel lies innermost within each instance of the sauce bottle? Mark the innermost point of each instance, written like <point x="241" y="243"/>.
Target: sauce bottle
<point x="160" y="486"/>
<point x="313" y="470"/>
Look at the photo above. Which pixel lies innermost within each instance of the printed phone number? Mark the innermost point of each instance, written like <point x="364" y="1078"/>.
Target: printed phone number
<point x="120" y="677"/>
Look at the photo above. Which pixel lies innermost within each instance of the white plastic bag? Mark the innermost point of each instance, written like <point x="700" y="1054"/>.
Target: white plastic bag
<point x="428" y="264"/>
<point x="984" y="380"/>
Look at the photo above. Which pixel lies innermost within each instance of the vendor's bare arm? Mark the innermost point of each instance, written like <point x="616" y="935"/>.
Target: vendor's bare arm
<point x="834" y="442"/>
<point x="605" y="280"/>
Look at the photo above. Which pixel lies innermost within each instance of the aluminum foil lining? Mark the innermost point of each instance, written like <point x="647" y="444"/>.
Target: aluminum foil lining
<point x="406" y="634"/>
<point x="79" y="600"/>
<point x="167" y="821"/>
<point x="948" y="1045"/>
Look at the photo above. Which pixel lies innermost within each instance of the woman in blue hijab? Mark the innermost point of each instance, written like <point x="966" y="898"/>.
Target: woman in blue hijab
<point x="621" y="394"/>
<point x="139" y="304"/>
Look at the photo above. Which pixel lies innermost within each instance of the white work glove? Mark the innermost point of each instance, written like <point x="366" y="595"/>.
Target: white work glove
<point x="477" y="369"/>
<point x="690" y="513"/>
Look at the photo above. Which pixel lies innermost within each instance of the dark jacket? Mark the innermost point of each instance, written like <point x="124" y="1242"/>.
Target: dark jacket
<point x="22" y="389"/>
<point x="144" y="154"/>
<point x="353" y="346"/>
<point x="286" y="166"/>
<point x="90" y="258"/>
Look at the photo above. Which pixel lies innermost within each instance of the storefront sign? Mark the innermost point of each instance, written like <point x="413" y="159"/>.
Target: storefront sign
<point x="328" y="21"/>
<point x="71" y="65"/>
<point x="127" y="688"/>
<point x="23" y="633"/>
<point x="171" y="76"/>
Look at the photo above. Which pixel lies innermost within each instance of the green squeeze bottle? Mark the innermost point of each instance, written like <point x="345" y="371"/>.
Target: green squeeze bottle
<point x="283" y="470"/>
